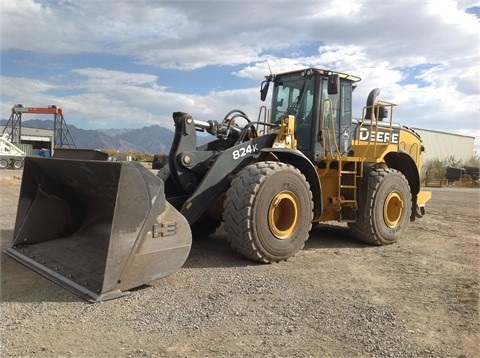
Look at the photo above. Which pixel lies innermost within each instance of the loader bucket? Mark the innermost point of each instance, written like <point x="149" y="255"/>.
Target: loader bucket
<point x="97" y="228"/>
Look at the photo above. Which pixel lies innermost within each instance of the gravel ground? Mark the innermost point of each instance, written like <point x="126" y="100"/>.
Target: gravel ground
<point x="336" y="298"/>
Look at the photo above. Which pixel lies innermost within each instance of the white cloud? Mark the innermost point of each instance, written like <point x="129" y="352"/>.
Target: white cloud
<point x="191" y="35"/>
<point x="115" y="99"/>
<point x="99" y="76"/>
<point x="378" y="41"/>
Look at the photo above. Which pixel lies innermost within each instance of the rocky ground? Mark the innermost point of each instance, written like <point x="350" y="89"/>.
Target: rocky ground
<point x="336" y="298"/>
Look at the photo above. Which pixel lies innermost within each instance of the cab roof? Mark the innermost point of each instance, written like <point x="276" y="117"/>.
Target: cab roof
<point x="322" y="72"/>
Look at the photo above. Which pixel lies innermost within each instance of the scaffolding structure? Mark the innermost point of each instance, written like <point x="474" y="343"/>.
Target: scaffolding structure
<point x="62" y="135"/>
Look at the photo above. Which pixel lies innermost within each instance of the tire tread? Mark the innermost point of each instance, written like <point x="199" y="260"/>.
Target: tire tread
<point x="363" y="229"/>
<point x="238" y="208"/>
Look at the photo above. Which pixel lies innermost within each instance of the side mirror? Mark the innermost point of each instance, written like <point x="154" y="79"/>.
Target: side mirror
<point x="333" y="83"/>
<point x="264" y="86"/>
<point x="264" y="90"/>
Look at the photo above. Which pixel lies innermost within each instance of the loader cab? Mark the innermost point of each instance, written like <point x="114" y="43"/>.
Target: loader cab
<point x="321" y="103"/>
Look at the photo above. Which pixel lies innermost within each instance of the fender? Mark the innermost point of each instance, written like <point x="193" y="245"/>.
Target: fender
<point x="403" y="162"/>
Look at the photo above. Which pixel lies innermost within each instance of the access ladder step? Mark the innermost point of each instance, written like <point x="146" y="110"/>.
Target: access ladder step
<point x="344" y="201"/>
<point x="348" y="172"/>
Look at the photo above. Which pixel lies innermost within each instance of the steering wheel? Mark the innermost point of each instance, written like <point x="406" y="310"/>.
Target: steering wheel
<point x="229" y="121"/>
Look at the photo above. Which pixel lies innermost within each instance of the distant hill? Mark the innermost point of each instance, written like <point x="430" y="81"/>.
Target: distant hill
<point x="153" y="139"/>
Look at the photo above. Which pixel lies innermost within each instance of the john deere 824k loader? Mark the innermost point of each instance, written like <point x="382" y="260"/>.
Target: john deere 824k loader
<point x="101" y="228"/>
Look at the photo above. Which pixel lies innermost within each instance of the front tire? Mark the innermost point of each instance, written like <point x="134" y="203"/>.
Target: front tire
<point x="268" y="211"/>
<point x="384" y="218"/>
<point x="3" y="163"/>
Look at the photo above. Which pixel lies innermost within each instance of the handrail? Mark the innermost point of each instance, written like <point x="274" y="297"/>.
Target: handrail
<point x="374" y="124"/>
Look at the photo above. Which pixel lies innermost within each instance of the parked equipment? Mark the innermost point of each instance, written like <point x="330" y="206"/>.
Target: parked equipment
<point x="453" y="174"/>
<point x="10" y="155"/>
<point x="474" y="172"/>
<point x="468" y="176"/>
<point x="102" y="228"/>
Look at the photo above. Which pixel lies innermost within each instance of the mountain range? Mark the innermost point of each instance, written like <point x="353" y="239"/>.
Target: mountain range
<point x="152" y="139"/>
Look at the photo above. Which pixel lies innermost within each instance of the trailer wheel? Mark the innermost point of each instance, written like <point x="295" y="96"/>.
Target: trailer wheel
<point x="385" y="216"/>
<point x="3" y="163"/>
<point x="17" y="164"/>
<point x="268" y="211"/>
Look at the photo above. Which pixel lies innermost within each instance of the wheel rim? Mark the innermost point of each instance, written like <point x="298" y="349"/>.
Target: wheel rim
<point x="393" y="209"/>
<point x="283" y="215"/>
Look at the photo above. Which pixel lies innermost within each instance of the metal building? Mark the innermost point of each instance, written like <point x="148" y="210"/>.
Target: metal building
<point x="442" y="145"/>
<point x="34" y="141"/>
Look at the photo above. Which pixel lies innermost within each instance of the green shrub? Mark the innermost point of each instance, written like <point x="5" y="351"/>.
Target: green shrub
<point x="438" y="167"/>
<point x="474" y="161"/>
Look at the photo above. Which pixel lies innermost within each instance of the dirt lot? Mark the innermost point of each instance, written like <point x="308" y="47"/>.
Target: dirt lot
<point x="336" y="298"/>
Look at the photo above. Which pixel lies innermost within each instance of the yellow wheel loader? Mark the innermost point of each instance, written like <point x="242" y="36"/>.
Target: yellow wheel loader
<point x="101" y="228"/>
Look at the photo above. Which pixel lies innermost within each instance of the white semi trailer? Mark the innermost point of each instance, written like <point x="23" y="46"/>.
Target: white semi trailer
<point x="10" y="155"/>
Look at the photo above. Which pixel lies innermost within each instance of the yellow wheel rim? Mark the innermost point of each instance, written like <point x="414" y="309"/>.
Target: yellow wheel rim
<point x="393" y="209"/>
<point x="283" y="215"/>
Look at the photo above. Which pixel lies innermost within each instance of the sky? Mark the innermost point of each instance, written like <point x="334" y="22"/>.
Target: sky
<point x="130" y="64"/>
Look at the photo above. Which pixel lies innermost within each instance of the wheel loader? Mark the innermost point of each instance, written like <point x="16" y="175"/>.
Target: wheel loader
<point x="101" y="228"/>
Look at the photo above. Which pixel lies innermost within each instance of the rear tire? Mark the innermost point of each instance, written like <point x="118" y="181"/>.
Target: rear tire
<point x="268" y="211"/>
<point x="385" y="216"/>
